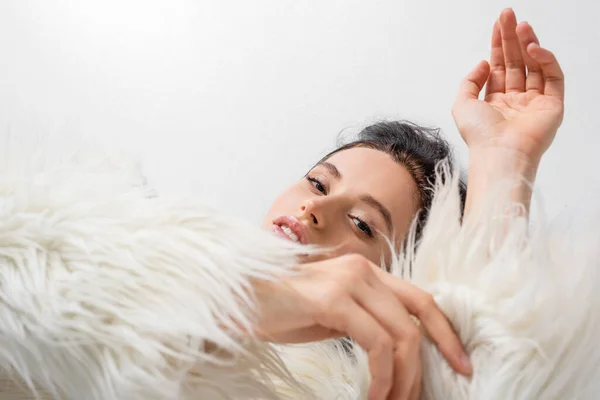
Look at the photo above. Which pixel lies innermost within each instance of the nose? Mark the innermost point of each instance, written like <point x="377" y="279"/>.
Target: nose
<point x="312" y="212"/>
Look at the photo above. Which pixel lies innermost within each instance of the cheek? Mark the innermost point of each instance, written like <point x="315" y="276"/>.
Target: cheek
<point x="350" y="244"/>
<point x="285" y="204"/>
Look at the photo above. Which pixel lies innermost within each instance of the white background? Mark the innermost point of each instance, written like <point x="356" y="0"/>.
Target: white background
<point x="234" y="100"/>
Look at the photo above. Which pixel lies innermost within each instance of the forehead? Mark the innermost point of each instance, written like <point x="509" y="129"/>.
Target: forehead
<point x="369" y="171"/>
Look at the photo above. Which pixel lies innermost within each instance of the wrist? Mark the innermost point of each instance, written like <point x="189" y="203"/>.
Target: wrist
<point x="503" y="162"/>
<point x="491" y="166"/>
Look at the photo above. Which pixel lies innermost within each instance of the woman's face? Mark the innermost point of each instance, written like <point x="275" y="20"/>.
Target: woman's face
<point x="350" y="202"/>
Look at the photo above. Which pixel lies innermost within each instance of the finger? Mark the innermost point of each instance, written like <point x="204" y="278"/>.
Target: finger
<point x="423" y="306"/>
<point x="535" y="79"/>
<point x="349" y="317"/>
<point x="495" y="82"/>
<point x="406" y="367"/>
<point x="472" y="84"/>
<point x="379" y="300"/>
<point x="416" y="390"/>
<point x="513" y="59"/>
<point x="554" y="78"/>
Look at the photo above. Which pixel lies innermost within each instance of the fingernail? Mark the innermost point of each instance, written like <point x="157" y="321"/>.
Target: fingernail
<point x="465" y="363"/>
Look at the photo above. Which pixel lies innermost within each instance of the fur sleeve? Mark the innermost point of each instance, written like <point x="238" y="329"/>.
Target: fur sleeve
<point x="108" y="292"/>
<point x="523" y="297"/>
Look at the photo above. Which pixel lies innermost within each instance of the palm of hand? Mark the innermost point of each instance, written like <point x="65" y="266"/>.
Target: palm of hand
<point x="525" y="121"/>
<point x="523" y="106"/>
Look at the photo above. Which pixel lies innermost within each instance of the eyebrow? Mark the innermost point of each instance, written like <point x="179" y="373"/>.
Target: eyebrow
<point x="367" y="198"/>
<point x="332" y="169"/>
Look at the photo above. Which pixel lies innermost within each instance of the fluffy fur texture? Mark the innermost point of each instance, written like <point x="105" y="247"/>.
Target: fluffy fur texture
<point x="524" y="300"/>
<point x="109" y="292"/>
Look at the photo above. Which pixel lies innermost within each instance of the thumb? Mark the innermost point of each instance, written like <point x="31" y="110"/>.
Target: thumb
<point x="473" y="83"/>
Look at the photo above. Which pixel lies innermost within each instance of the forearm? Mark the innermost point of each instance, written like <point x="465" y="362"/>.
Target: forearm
<point x="491" y="167"/>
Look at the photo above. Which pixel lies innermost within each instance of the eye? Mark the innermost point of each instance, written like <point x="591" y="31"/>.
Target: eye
<point x="363" y="226"/>
<point x="317" y="184"/>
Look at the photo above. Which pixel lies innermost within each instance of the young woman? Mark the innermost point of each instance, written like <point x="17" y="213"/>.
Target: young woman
<point x="106" y="294"/>
<point x="371" y="189"/>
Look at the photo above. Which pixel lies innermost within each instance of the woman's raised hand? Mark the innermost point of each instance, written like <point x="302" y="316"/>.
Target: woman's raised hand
<point x="523" y="104"/>
<point x="350" y="296"/>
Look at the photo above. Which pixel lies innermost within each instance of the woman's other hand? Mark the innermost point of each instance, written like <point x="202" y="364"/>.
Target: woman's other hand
<point x="523" y="104"/>
<point x="510" y="129"/>
<point x="350" y="296"/>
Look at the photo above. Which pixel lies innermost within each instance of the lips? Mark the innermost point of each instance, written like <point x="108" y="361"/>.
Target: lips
<point x="290" y="228"/>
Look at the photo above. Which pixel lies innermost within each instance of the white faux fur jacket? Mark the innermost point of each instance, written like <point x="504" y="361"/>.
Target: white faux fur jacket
<point x="108" y="292"/>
